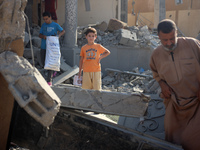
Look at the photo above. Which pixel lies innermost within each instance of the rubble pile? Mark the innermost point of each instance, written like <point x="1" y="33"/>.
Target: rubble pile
<point x="114" y="33"/>
<point x="136" y="37"/>
<point x="127" y="82"/>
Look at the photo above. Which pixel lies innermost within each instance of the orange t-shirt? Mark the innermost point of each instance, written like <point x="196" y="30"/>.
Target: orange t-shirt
<point x="91" y="54"/>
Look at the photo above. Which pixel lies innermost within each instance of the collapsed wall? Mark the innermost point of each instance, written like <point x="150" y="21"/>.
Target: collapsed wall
<point x="12" y="25"/>
<point x="23" y="80"/>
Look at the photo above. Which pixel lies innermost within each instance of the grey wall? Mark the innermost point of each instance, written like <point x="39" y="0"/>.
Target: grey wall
<point x="126" y="58"/>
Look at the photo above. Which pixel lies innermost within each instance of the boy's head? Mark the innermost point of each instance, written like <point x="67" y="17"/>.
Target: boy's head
<point x="91" y="30"/>
<point x="47" y="17"/>
<point x="91" y="35"/>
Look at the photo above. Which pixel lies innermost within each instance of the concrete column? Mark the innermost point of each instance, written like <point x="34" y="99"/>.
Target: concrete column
<point x="119" y="10"/>
<point x="159" y="11"/>
<point x="124" y="10"/>
<point x="70" y="40"/>
<point x="70" y="23"/>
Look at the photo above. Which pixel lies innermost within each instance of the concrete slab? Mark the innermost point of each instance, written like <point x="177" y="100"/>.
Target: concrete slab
<point x="66" y="75"/>
<point x="63" y="66"/>
<point x="29" y="88"/>
<point x="116" y="103"/>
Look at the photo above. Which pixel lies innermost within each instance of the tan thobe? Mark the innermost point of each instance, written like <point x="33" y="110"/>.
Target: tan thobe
<point x="181" y="71"/>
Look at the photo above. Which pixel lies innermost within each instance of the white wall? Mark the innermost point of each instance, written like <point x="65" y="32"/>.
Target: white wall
<point x="100" y="10"/>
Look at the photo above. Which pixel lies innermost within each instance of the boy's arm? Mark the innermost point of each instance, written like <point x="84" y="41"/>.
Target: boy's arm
<point x="42" y="36"/>
<point x="105" y="54"/>
<point x="61" y="33"/>
<point x="80" y="66"/>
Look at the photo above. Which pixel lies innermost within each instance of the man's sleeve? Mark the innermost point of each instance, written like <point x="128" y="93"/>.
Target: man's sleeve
<point x="195" y="45"/>
<point x="197" y="42"/>
<point x="154" y="70"/>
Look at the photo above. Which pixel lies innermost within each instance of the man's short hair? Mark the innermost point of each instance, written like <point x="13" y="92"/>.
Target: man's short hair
<point x="166" y="26"/>
<point x="46" y="13"/>
<point x="91" y="30"/>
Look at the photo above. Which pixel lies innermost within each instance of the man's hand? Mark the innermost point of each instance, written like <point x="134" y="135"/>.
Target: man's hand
<point x="165" y="89"/>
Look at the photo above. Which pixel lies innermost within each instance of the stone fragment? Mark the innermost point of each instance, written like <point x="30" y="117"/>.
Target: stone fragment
<point x="36" y="41"/>
<point x="115" y="24"/>
<point x="127" y="38"/>
<point x="123" y="104"/>
<point x="28" y="54"/>
<point x="36" y="31"/>
<point x="102" y="26"/>
<point x="66" y="75"/>
<point x="107" y="80"/>
<point x="29" y="88"/>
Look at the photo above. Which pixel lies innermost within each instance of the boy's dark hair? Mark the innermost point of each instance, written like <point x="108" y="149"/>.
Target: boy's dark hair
<point x="166" y="26"/>
<point x="91" y="30"/>
<point x="46" y="13"/>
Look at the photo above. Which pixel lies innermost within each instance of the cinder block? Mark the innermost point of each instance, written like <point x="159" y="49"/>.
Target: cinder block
<point x="29" y="88"/>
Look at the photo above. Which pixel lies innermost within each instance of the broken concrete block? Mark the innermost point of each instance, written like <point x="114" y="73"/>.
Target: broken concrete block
<point x="115" y="24"/>
<point x="29" y="88"/>
<point x="107" y="80"/>
<point x="28" y="54"/>
<point x="127" y="37"/>
<point x="123" y="104"/>
<point x="66" y="75"/>
<point x="102" y="26"/>
<point x="36" y="31"/>
<point x="36" y="41"/>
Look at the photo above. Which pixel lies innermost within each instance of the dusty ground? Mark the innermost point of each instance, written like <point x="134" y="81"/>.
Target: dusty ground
<point x="69" y="132"/>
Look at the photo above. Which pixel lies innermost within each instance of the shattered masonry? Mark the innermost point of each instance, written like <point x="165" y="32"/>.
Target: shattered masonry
<point x="29" y="88"/>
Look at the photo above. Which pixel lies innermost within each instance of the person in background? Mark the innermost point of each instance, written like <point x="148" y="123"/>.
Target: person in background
<point x="176" y="67"/>
<point x="91" y="55"/>
<point x="48" y="28"/>
<point x="50" y="6"/>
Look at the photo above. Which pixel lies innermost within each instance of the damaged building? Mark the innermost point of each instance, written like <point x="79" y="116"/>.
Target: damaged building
<point x="36" y="116"/>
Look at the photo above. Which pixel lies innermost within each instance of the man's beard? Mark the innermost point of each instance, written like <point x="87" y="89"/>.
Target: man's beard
<point x="170" y="49"/>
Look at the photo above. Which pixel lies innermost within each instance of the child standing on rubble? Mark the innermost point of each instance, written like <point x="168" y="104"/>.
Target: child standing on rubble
<point x="48" y="28"/>
<point x="91" y="54"/>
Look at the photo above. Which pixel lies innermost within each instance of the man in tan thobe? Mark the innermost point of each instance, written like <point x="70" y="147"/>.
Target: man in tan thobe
<point x="175" y="66"/>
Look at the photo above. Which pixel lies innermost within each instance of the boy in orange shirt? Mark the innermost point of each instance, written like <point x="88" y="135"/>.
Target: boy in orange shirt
<point x="91" y="54"/>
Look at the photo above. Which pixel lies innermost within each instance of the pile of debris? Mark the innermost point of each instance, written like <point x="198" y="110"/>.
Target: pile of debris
<point x="117" y="32"/>
<point x="136" y="80"/>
